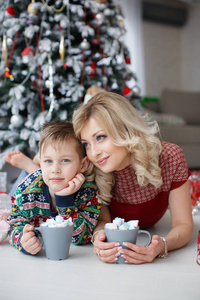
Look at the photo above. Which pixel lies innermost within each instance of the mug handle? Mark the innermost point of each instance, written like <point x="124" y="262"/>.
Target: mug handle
<point x="149" y="235"/>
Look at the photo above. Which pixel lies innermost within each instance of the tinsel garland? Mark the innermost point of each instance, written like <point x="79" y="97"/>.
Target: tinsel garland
<point x="100" y="49"/>
<point x="40" y="78"/>
<point x="83" y="59"/>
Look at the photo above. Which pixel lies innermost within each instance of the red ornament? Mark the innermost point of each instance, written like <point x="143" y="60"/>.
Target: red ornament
<point x="27" y="55"/>
<point x="65" y="65"/>
<point x="10" y="11"/>
<point x="95" y="41"/>
<point x="128" y="60"/>
<point x="27" y="50"/>
<point x="93" y="67"/>
<point x="8" y="74"/>
<point x="34" y="84"/>
<point x="126" y="91"/>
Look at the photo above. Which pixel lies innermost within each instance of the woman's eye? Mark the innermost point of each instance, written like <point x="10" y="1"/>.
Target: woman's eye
<point x="101" y="137"/>
<point x="85" y="145"/>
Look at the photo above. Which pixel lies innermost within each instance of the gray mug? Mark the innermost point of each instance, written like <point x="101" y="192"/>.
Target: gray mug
<point x="56" y="241"/>
<point x="120" y="236"/>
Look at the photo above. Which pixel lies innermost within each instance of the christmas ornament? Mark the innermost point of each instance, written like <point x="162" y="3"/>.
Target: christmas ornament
<point x="34" y="82"/>
<point x="97" y="56"/>
<point x="27" y="55"/>
<point x="16" y="121"/>
<point x="50" y="84"/>
<point x="128" y="60"/>
<point x="105" y="80"/>
<point x="31" y="9"/>
<point x="53" y="8"/>
<point x="4" y="49"/>
<point x="136" y="90"/>
<point x="107" y="12"/>
<point x="93" y="69"/>
<point x="100" y="18"/>
<point x="8" y="74"/>
<point x="114" y="86"/>
<point x="10" y="11"/>
<point x="9" y="41"/>
<point x="95" y="41"/>
<point x="127" y="91"/>
<point x="62" y="48"/>
<point x="47" y="84"/>
<point x="84" y="45"/>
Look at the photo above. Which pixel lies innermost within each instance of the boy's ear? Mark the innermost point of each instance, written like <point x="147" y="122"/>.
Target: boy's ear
<point x="84" y="164"/>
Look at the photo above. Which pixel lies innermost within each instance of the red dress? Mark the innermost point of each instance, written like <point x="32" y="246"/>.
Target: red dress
<point x="148" y="204"/>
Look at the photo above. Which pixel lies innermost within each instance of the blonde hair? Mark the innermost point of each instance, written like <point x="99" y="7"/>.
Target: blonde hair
<point x="57" y="132"/>
<point x="125" y="127"/>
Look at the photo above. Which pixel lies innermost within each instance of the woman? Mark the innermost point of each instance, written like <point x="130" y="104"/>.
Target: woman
<point x="139" y="176"/>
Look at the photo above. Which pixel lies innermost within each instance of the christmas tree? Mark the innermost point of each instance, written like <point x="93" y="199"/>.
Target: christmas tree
<point x="52" y="52"/>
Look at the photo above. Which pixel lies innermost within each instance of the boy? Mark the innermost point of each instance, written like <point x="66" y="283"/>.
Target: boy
<point x="59" y="187"/>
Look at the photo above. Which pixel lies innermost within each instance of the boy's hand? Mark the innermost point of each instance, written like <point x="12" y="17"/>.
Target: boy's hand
<point x="29" y="241"/>
<point x="73" y="185"/>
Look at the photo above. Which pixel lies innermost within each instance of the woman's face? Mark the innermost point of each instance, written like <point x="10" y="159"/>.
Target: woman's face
<point x="100" y="150"/>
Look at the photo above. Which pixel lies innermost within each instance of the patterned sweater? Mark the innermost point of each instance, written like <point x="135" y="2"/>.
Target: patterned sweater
<point x="31" y="205"/>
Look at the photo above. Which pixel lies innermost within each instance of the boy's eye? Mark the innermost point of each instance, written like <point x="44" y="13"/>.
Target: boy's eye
<point x="65" y="160"/>
<point x="48" y="161"/>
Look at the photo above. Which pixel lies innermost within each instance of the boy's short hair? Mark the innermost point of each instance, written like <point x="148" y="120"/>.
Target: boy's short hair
<point x="59" y="131"/>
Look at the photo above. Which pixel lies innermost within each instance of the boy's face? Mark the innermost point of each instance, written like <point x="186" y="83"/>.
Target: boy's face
<point x="59" y="165"/>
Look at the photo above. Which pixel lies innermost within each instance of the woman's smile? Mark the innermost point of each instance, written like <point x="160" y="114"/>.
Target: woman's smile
<point x="103" y="161"/>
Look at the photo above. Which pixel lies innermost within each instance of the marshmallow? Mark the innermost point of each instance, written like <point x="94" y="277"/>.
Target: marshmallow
<point x="58" y="222"/>
<point x="63" y="224"/>
<point x="53" y="225"/>
<point x="118" y="221"/>
<point x="120" y="224"/>
<point x="111" y="226"/>
<point x="59" y="219"/>
<point x="133" y="224"/>
<point x="123" y="227"/>
<point x="50" y="221"/>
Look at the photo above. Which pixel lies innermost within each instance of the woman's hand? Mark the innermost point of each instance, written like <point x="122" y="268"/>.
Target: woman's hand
<point x="107" y="252"/>
<point x="139" y="255"/>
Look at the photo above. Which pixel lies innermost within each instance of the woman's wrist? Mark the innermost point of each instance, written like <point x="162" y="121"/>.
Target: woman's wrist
<point x="164" y="254"/>
<point x="94" y="234"/>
